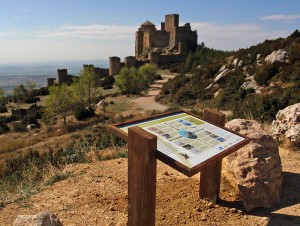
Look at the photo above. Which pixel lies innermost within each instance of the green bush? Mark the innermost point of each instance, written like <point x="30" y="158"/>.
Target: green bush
<point x="19" y="127"/>
<point x="82" y="113"/>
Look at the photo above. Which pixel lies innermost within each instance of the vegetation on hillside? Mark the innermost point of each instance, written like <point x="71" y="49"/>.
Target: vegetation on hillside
<point x="279" y="82"/>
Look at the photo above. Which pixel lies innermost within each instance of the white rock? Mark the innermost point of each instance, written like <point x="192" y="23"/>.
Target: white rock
<point x="40" y="219"/>
<point x="217" y="93"/>
<point x="221" y="75"/>
<point x="235" y="62"/>
<point x="279" y="55"/>
<point x="209" y="86"/>
<point x="240" y="63"/>
<point x="250" y="83"/>
<point x="102" y="103"/>
<point x="222" y="68"/>
<point x="258" y="56"/>
<point x="287" y="124"/>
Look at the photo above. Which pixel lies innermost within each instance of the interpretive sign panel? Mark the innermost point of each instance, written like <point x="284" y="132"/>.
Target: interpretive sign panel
<point x="186" y="142"/>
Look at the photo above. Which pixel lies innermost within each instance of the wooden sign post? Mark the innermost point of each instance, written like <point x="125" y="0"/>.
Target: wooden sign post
<point x="142" y="147"/>
<point x="181" y="140"/>
<point x="210" y="175"/>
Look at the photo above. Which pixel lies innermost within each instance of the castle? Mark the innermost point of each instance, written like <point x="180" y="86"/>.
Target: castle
<point x="172" y="39"/>
<point x="170" y="44"/>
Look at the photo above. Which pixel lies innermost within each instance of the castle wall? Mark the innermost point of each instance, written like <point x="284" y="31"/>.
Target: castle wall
<point x="166" y="59"/>
<point x="183" y="34"/>
<point x="171" y="21"/>
<point x="139" y="38"/>
<point x="160" y="39"/>
<point x="182" y="48"/>
<point x="130" y="61"/>
<point x="114" y="65"/>
<point x="62" y="75"/>
<point x="50" y="81"/>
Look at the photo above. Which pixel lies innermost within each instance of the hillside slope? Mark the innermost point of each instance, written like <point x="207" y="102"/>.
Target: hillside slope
<point x="253" y="83"/>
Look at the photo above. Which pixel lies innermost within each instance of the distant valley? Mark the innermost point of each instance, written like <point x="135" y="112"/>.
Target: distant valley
<point x="11" y="75"/>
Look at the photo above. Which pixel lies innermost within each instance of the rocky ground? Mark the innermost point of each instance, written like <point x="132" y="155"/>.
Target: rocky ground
<point x="96" y="194"/>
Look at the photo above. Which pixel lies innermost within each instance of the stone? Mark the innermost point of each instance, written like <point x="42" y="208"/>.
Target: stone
<point x="221" y="75"/>
<point x="258" y="56"/>
<point x="31" y="126"/>
<point x="287" y="124"/>
<point x="235" y="62"/>
<point x="102" y="103"/>
<point x="209" y="86"/>
<point x="241" y="63"/>
<point x="279" y="55"/>
<point x="254" y="170"/>
<point x="41" y="219"/>
<point x="250" y="83"/>
<point x="222" y="68"/>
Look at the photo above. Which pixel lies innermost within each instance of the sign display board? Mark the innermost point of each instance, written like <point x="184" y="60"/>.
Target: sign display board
<point x="186" y="142"/>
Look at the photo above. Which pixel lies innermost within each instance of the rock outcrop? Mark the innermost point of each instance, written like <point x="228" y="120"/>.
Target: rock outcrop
<point x="279" y="55"/>
<point x="221" y="75"/>
<point x="40" y="219"/>
<point x="287" y="124"/>
<point x="256" y="168"/>
<point x="250" y="83"/>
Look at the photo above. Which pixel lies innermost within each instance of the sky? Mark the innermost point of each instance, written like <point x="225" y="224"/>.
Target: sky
<point x="53" y="30"/>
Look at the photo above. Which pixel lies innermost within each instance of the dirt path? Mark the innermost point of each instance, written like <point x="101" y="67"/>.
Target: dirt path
<point x="148" y="102"/>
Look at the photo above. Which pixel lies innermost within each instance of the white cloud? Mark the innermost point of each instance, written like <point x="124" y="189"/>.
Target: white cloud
<point x="4" y="34"/>
<point x="233" y="36"/>
<point x="22" y="17"/>
<point x="282" y="18"/>
<point x="94" y="31"/>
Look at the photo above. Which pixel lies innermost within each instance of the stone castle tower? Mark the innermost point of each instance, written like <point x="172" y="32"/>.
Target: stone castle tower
<point x="148" y="38"/>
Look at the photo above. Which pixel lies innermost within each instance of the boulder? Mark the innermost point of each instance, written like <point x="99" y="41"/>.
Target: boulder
<point x="255" y="169"/>
<point x="40" y="219"/>
<point x="258" y="56"/>
<point x="287" y="124"/>
<point x="235" y="61"/>
<point x="241" y="63"/>
<point x="221" y="75"/>
<point x="222" y="68"/>
<point x="250" y="83"/>
<point x="102" y="103"/>
<point x="31" y="126"/>
<point x="279" y="55"/>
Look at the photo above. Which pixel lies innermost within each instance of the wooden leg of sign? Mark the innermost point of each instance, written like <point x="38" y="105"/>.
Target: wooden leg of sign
<point x="141" y="177"/>
<point x="210" y="176"/>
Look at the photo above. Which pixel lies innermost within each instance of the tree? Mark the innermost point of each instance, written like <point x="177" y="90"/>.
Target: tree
<point x="129" y="81"/>
<point x="85" y="87"/>
<point x="134" y="81"/>
<point x="60" y="101"/>
<point x="20" y="94"/>
<point x="149" y="72"/>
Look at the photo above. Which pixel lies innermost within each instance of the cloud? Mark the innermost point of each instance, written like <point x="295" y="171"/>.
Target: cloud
<point x="233" y="36"/>
<point x="21" y="17"/>
<point x="7" y="33"/>
<point x="94" y="31"/>
<point x="282" y="18"/>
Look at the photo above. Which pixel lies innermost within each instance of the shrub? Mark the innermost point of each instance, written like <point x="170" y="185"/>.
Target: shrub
<point x="3" y="128"/>
<point x="82" y="113"/>
<point x="19" y="127"/>
<point x="3" y="108"/>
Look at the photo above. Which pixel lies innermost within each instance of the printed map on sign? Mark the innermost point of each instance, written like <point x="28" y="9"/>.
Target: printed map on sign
<point x="187" y="139"/>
